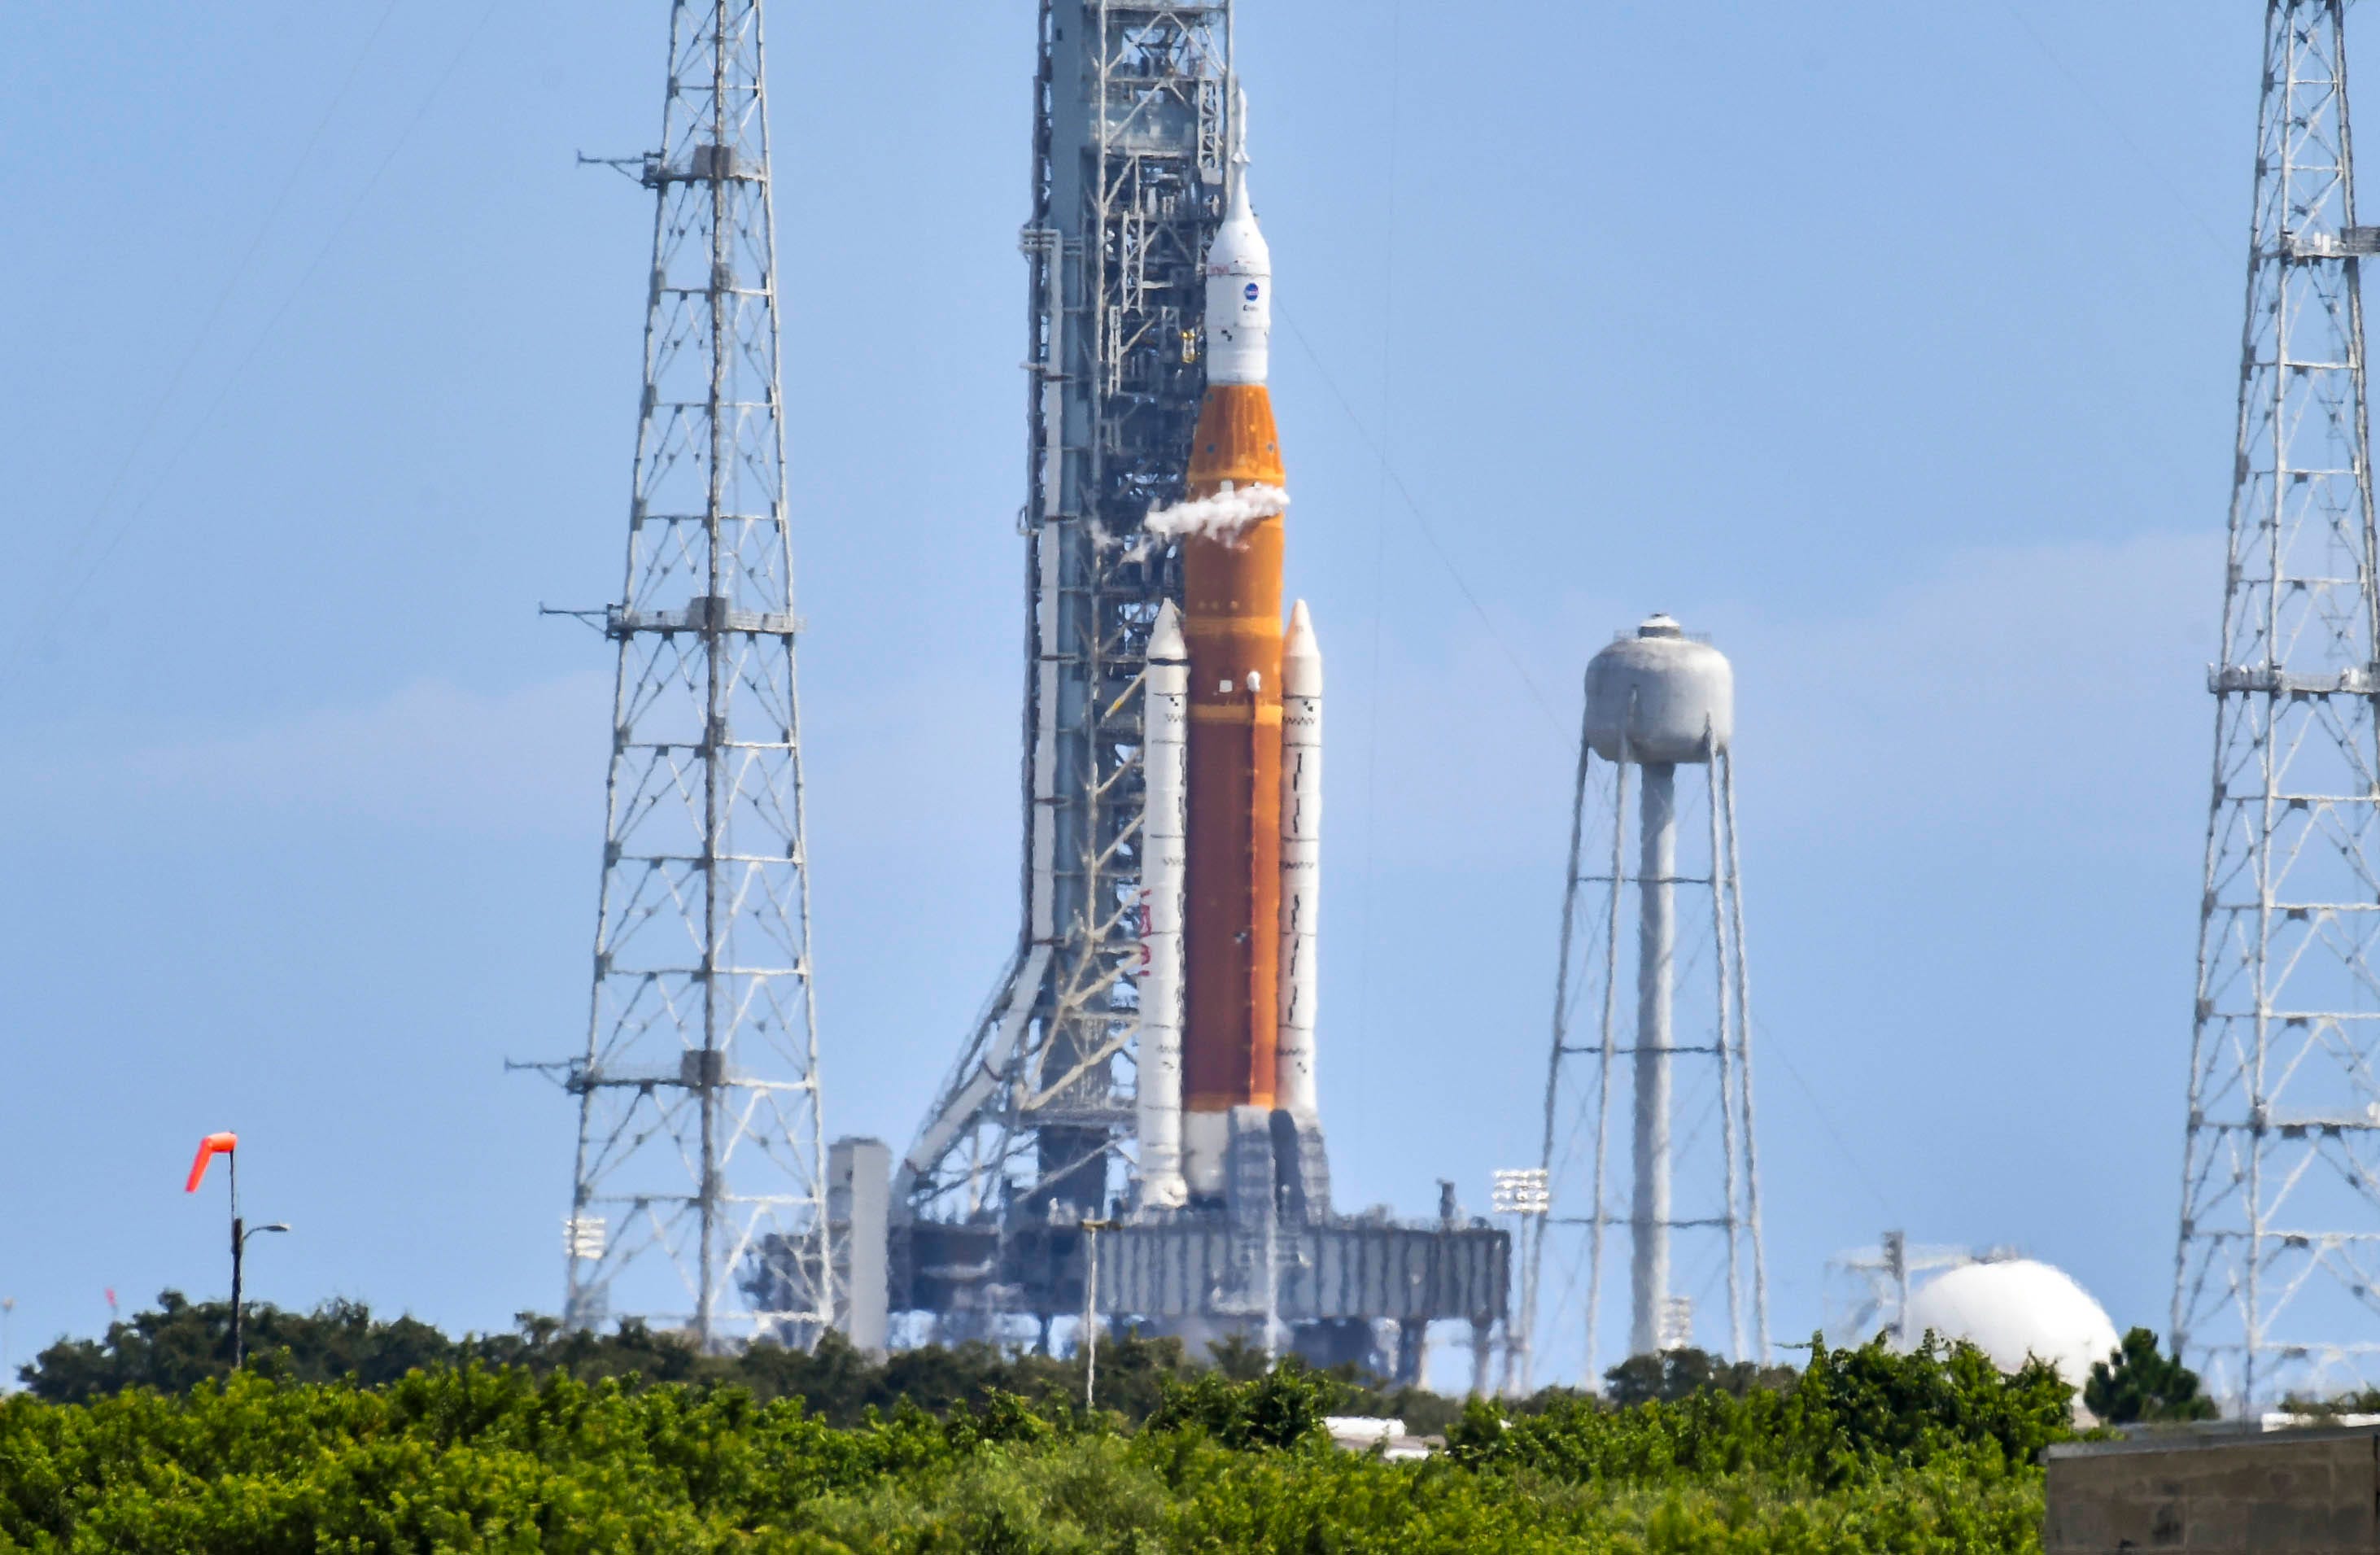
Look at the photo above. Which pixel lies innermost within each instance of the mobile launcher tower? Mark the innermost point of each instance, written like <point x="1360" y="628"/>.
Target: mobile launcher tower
<point x="1146" y="1064"/>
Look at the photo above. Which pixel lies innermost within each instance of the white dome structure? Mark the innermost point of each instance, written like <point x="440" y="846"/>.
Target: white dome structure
<point x="2011" y="1309"/>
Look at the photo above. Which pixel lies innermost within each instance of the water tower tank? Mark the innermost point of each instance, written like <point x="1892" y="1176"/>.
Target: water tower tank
<point x="1666" y="690"/>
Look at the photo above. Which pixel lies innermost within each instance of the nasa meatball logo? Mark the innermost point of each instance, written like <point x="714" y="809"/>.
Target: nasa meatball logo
<point x="1251" y="292"/>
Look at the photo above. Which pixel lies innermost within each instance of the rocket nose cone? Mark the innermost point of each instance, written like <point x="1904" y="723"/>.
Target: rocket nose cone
<point x="1165" y="637"/>
<point x="1300" y="636"/>
<point x="1301" y="655"/>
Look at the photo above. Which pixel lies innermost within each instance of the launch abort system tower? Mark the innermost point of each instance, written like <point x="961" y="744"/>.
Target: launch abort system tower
<point x="1149" y="1049"/>
<point x="2277" y="1279"/>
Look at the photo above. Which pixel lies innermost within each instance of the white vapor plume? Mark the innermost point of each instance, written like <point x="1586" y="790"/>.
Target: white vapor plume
<point x="1223" y="515"/>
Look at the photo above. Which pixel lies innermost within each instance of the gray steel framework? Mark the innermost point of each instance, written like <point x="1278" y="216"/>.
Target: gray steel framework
<point x="1130" y="137"/>
<point x="1691" y="916"/>
<point x="700" y="1146"/>
<point x="2279" y="1246"/>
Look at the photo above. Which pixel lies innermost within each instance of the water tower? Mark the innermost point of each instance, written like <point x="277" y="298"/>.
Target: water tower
<point x="1649" y="851"/>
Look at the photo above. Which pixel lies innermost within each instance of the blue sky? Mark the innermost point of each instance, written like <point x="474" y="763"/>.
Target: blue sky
<point x="1893" y="346"/>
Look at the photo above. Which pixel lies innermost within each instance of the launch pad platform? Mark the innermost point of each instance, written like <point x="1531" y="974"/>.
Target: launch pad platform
<point x="1269" y="1262"/>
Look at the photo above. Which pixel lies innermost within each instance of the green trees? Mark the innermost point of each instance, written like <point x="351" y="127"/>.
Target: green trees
<point x="1852" y="1415"/>
<point x="2138" y="1383"/>
<point x="1865" y="1451"/>
<point x="1678" y="1374"/>
<point x="1282" y="1408"/>
<point x="182" y="1344"/>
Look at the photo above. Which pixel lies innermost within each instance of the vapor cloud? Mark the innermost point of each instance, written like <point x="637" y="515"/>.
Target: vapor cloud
<point x="1223" y="515"/>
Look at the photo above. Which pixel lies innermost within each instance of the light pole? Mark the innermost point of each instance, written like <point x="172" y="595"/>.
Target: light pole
<point x="1525" y="1192"/>
<point x="1091" y="1229"/>
<point x="238" y="1248"/>
<point x="7" y="1310"/>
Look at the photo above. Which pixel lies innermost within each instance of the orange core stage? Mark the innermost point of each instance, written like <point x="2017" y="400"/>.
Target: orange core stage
<point x="1232" y="623"/>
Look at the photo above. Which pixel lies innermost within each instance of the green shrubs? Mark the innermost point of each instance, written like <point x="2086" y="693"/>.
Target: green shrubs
<point x="1866" y="1451"/>
<point x="180" y="1343"/>
<point x="1854" y="1415"/>
<point x="1284" y="1407"/>
<point x="2138" y="1383"/>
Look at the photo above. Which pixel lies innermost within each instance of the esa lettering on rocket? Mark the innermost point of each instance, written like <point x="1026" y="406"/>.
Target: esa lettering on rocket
<point x="1233" y="767"/>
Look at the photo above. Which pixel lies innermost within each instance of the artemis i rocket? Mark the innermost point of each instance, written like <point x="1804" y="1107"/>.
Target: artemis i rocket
<point x="1234" y="756"/>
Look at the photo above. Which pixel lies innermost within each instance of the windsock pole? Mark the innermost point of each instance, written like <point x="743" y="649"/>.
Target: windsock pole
<point x="225" y="1145"/>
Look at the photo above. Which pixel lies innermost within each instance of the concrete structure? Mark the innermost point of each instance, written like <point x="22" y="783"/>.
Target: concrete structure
<point x="698" y="1184"/>
<point x="859" y="1208"/>
<point x="2214" y="1493"/>
<point x="1655" y="700"/>
<point x="2277" y="1269"/>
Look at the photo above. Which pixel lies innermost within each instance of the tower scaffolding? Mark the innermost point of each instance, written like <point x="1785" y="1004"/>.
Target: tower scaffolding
<point x="2277" y="1269"/>
<point x="699" y="1185"/>
<point x="1130" y="137"/>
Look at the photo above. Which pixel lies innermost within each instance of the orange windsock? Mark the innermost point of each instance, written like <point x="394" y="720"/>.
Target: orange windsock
<point x="213" y="1145"/>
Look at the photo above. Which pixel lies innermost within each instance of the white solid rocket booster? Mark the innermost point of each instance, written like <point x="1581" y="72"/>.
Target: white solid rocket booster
<point x="1301" y="864"/>
<point x="1166" y="765"/>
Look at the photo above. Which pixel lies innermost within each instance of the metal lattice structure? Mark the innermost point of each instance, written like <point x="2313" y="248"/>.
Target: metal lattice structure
<point x="698" y="1189"/>
<point x="1130" y="141"/>
<point x="2277" y="1270"/>
<point x="1678" y="1166"/>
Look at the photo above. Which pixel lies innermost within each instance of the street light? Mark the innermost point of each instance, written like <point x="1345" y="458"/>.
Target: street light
<point x="240" y="1245"/>
<point x="1091" y="1229"/>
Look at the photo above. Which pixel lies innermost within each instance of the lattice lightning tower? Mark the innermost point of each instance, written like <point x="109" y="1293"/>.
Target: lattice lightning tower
<point x="699" y="1196"/>
<point x="2279" y="1246"/>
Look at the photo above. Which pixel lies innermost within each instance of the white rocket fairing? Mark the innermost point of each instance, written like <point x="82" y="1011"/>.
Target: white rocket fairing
<point x="1301" y="863"/>
<point x="1239" y="293"/>
<point x="1166" y="765"/>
